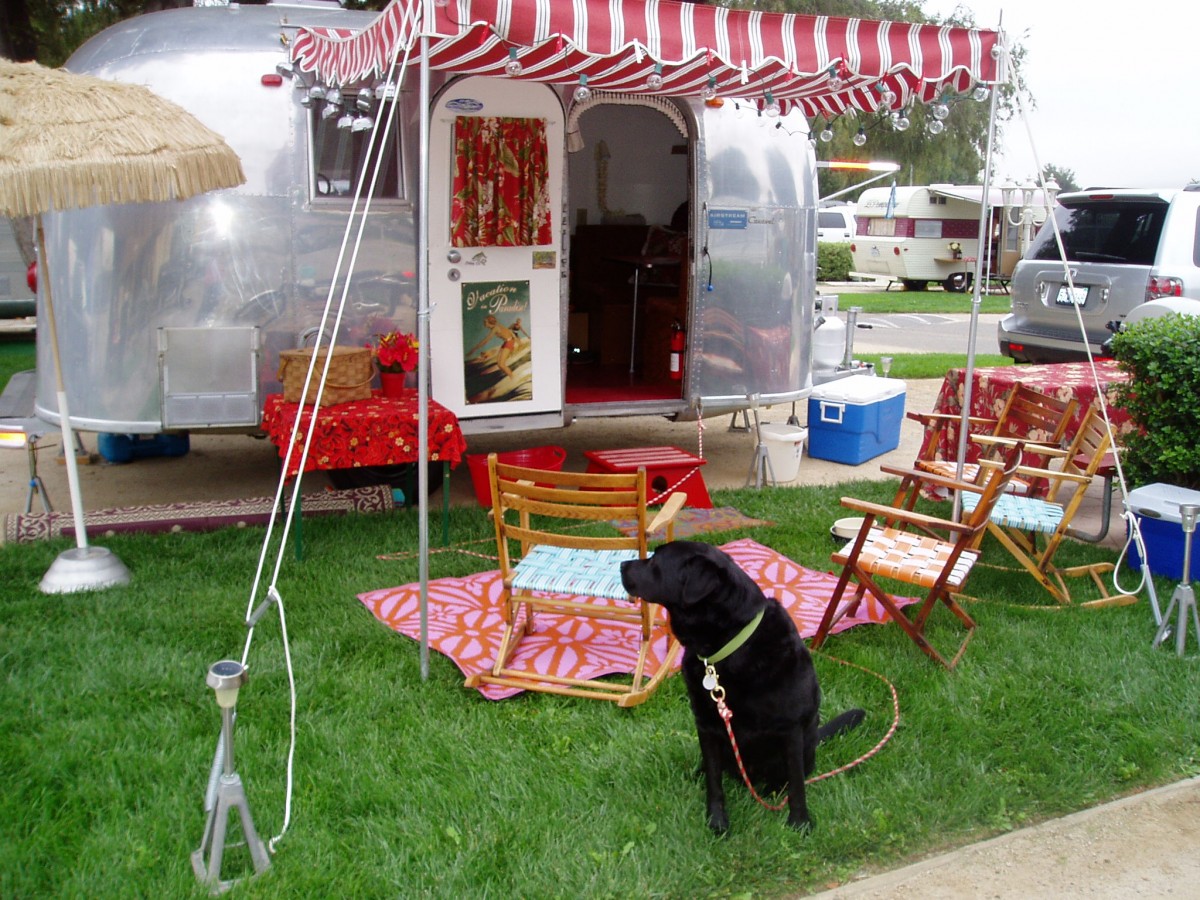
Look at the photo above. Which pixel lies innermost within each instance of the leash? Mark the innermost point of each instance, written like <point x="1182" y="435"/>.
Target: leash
<point x="717" y="692"/>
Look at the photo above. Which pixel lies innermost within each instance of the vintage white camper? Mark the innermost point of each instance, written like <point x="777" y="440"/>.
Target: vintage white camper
<point x="919" y="235"/>
<point x="667" y="262"/>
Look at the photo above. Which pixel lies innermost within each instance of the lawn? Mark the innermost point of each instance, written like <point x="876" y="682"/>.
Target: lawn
<point x="412" y="787"/>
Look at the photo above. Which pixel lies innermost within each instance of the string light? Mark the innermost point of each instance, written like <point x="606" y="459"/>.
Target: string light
<point x="583" y="93"/>
<point x="655" y="80"/>
<point x="709" y="91"/>
<point x="513" y="66"/>
<point x="771" y="107"/>
<point x="936" y="126"/>
<point x="900" y="121"/>
<point x="827" y="133"/>
<point x="861" y="137"/>
<point x="980" y="94"/>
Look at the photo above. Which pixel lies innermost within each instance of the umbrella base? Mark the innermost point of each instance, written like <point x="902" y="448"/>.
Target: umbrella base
<point x="84" y="569"/>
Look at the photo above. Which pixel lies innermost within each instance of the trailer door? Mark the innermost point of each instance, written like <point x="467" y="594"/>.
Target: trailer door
<point x="495" y="243"/>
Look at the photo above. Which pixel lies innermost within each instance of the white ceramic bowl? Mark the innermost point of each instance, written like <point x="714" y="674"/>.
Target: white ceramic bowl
<point x="846" y="529"/>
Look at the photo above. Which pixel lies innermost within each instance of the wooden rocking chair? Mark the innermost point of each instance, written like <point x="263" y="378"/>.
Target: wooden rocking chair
<point x="549" y="565"/>
<point x="920" y="550"/>
<point x="1032" y="529"/>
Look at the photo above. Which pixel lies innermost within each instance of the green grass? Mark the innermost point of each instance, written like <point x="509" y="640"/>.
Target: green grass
<point x="897" y="301"/>
<point x="411" y="787"/>
<point x="16" y="355"/>
<point x="911" y="366"/>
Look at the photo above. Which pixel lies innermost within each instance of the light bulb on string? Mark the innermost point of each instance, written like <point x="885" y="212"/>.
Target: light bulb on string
<point x="980" y="94"/>
<point x="654" y="80"/>
<point x="583" y="93"/>
<point x="940" y="110"/>
<point x="887" y="97"/>
<point x="836" y="83"/>
<point x="827" y="133"/>
<point x="771" y="106"/>
<point x="936" y="126"/>
<point x="709" y="91"/>
<point x="861" y="137"/>
<point x="900" y="121"/>
<point x="513" y="66"/>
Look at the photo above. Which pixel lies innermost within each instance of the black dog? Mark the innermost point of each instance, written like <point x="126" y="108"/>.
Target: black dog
<point x="769" y="681"/>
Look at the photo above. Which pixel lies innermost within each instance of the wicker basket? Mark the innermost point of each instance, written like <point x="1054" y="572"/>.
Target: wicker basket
<point x="350" y="374"/>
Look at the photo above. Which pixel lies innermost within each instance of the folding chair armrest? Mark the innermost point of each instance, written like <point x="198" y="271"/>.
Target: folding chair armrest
<point x="1030" y="446"/>
<point x="931" y="478"/>
<point x="667" y="512"/>
<point x="1032" y="472"/>
<point x="891" y="513"/>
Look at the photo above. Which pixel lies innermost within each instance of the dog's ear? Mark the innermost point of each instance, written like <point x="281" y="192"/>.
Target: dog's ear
<point x="699" y="577"/>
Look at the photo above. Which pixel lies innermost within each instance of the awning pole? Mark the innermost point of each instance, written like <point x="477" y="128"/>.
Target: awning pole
<point x="423" y="345"/>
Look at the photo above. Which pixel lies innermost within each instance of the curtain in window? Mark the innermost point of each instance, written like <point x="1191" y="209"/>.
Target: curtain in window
<point x="501" y="186"/>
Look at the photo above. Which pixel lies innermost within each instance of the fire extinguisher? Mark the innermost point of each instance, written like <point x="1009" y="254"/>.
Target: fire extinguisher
<point x="678" y="345"/>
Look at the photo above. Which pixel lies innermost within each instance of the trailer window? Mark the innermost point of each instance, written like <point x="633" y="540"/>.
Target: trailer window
<point x="341" y="155"/>
<point x="927" y="228"/>
<point x="881" y="227"/>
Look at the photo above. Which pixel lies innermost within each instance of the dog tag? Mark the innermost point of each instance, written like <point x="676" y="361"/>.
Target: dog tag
<point x="710" y="679"/>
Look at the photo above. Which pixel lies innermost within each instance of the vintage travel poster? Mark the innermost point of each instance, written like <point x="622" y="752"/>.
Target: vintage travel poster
<point x="497" y="350"/>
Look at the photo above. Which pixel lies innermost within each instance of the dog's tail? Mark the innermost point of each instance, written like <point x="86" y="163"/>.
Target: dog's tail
<point x="851" y="718"/>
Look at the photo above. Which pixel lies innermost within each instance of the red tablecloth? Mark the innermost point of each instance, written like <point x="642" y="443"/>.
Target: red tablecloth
<point x="1061" y="380"/>
<point x="381" y="431"/>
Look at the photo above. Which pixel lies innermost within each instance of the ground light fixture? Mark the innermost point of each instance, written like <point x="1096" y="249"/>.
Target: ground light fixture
<point x="225" y="792"/>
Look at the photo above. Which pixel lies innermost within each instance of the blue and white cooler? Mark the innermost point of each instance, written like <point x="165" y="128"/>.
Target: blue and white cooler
<point x="855" y="419"/>
<point x="1156" y="507"/>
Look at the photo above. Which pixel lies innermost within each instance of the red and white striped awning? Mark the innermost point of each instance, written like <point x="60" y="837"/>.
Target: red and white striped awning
<point x="826" y="65"/>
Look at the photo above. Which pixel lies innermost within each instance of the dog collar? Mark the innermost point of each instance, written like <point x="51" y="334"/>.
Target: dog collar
<point x="738" y="639"/>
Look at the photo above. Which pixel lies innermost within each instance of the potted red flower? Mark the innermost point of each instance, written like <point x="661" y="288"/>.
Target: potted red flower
<point x="396" y="353"/>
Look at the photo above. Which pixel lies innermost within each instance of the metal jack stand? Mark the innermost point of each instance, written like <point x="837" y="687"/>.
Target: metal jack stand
<point x="1183" y="595"/>
<point x="37" y="487"/>
<point x="226" y="677"/>
<point x="761" y="468"/>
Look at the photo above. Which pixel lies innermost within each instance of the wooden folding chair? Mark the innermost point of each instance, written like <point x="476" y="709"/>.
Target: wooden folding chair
<point x="1032" y="529"/>
<point x="938" y="559"/>
<point x="549" y="564"/>
<point x="1027" y="415"/>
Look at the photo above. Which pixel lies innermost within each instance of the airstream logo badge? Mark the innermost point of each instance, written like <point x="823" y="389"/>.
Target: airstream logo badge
<point x="464" y="104"/>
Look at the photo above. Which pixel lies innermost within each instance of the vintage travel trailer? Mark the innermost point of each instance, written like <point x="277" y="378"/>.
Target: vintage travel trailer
<point x="923" y="235"/>
<point x="661" y="259"/>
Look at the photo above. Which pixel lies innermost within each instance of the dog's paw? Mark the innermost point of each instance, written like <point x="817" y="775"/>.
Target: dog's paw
<point x="804" y="825"/>
<point x="718" y="822"/>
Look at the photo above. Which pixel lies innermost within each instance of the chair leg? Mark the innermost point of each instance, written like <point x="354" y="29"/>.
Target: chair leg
<point x="828" y="620"/>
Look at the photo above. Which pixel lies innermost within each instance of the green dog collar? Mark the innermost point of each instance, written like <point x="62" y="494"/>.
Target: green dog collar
<point x="738" y="639"/>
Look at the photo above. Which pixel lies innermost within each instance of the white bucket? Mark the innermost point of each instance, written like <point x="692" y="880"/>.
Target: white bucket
<point x="785" y="445"/>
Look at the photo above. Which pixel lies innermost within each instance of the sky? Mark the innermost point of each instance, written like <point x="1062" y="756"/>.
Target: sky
<point x="1116" y="86"/>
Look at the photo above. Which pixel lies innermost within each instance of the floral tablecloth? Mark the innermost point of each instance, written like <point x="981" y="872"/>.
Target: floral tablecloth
<point x="1060" y="380"/>
<point x="381" y="431"/>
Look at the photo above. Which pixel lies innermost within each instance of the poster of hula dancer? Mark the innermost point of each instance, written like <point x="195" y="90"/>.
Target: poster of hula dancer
<point x="497" y="351"/>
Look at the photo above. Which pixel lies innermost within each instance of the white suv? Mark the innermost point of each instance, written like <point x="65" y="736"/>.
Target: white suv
<point x="836" y="224"/>
<point x="1123" y="248"/>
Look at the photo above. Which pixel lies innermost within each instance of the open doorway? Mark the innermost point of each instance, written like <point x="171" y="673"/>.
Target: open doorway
<point x="628" y="190"/>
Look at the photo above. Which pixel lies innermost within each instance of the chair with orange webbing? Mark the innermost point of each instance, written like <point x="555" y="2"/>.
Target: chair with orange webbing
<point x="917" y="549"/>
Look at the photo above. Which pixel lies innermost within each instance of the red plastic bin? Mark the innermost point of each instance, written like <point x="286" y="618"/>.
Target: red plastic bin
<point x="549" y="458"/>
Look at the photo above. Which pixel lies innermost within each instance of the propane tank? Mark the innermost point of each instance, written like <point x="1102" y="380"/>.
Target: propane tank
<point x="678" y="346"/>
<point x="829" y="338"/>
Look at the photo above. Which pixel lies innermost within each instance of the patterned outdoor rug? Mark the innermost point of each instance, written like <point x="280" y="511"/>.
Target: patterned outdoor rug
<point x="691" y="521"/>
<point x="201" y="516"/>
<point x="465" y="622"/>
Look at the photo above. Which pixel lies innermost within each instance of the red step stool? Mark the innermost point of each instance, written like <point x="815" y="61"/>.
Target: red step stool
<point x="668" y="469"/>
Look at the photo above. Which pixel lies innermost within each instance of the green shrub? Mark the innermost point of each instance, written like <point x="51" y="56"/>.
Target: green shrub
<point x="1162" y="357"/>
<point x="834" y="262"/>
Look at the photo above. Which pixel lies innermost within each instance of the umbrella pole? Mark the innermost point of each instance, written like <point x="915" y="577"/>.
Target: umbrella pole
<point x="423" y="352"/>
<point x="84" y="568"/>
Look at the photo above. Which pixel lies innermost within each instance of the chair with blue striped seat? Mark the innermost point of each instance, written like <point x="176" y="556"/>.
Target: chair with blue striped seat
<point x="1033" y="528"/>
<point x="558" y="557"/>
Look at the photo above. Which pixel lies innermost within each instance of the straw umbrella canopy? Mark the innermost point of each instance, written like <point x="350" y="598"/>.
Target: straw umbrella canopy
<point x="70" y="141"/>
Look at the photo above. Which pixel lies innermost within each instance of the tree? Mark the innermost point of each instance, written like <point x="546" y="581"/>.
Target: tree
<point x="1064" y="177"/>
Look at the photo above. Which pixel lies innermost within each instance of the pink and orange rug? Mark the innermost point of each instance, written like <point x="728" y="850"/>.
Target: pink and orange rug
<point x="465" y="622"/>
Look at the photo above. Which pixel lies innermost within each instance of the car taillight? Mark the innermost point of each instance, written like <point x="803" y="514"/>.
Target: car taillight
<point x="1163" y="286"/>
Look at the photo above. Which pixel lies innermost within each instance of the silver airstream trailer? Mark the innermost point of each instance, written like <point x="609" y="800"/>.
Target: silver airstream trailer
<point x="661" y="259"/>
<point x="677" y="278"/>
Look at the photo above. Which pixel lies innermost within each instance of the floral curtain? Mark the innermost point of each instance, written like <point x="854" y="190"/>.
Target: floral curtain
<point x="501" y="185"/>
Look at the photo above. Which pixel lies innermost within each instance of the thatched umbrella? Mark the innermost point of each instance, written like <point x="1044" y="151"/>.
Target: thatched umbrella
<point x="69" y="141"/>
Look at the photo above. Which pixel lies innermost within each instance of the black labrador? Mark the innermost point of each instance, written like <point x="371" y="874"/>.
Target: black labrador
<point x="769" y="681"/>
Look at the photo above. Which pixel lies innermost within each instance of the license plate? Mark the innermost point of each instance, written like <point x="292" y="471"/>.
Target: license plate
<point x="1068" y="296"/>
